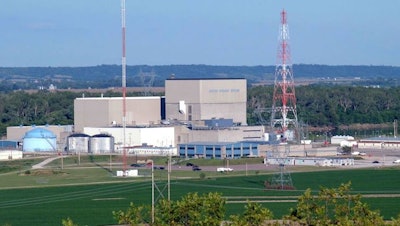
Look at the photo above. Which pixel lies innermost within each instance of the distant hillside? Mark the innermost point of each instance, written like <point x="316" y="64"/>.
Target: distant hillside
<point x="104" y="76"/>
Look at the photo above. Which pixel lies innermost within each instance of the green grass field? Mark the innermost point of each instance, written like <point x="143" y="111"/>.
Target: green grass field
<point x="89" y="194"/>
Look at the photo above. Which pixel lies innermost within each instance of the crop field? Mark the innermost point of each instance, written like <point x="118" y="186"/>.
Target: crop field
<point x="89" y="195"/>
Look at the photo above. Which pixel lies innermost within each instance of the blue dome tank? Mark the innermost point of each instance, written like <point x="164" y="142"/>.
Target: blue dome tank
<point x="39" y="139"/>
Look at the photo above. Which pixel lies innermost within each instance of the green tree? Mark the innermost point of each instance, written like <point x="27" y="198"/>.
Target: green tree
<point x="335" y="206"/>
<point x="68" y="222"/>
<point x="395" y="221"/>
<point x="253" y="215"/>
<point x="134" y="215"/>
<point x="192" y="209"/>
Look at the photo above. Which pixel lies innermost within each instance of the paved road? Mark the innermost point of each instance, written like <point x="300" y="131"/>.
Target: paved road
<point x="259" y="166"/>
<point x="45" y="162"/>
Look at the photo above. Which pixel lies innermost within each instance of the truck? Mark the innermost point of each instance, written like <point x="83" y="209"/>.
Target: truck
<point x="224" y="169"/>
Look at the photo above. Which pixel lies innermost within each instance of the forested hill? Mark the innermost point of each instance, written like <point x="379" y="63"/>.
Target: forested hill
<point x="104" y="76"/>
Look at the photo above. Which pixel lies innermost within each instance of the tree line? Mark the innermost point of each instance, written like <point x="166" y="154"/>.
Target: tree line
<point x="104" y="76"/>
<point x="317" y="106"/>
<point x="333" y="107"/>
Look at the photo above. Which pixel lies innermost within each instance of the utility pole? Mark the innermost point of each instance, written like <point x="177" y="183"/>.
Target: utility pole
<point x="152" y="193"/>
<point x="123" y="64"/>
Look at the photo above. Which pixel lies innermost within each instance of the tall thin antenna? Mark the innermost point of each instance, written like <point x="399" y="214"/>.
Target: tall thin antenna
<point x="123" y="82"/>
<point x="284" y="115"/>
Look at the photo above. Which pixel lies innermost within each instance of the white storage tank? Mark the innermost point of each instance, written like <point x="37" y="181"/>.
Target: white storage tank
<point x="101" y="143"/>
<point x="39" y="140"/>
<point x="78" y="143"/>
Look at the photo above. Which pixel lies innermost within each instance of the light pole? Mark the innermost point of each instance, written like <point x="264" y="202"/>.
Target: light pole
<point x="383" y="153"/>
<point x="169" y="177"/>
<point x="152" y="192"/>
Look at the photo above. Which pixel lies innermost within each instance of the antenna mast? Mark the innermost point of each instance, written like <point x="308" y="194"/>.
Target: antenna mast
<point x="284" y="115"/>
<point x="123" y="82"/>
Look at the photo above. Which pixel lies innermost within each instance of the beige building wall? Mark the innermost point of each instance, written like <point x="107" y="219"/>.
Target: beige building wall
<point x="201" y="99"/>
<point x="107" y="111"/>
<point x="234" y="134"/>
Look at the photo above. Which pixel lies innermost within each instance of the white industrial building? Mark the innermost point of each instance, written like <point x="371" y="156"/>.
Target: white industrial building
<point x="10" y="154"/>
<point x="379" y="143"/>
<point x="330" y="162"/>
<point x="340" y="139"/>
<point x="153" y="151"/>
<point x="136" y="136"/>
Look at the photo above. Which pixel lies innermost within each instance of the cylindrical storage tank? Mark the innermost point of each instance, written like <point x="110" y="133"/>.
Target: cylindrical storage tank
<point x="39" y="140"/>
<point x="101" y="143"/>
<point x="78" y="143"/>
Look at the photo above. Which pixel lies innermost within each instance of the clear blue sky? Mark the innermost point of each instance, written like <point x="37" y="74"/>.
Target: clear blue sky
<point x="213" y="32"/>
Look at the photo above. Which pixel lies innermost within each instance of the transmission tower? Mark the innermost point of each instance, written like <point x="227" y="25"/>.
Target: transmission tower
<point x="261" y="113"/>
<point x="147" y="80"/>
<point x="283" y="114"/>
<point x="281" y="180"/>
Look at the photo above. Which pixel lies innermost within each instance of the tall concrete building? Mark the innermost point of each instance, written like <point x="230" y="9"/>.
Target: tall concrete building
<point x="193" y="110"/>
<point x="107" y="111"/>
<point x="193" y="100"/>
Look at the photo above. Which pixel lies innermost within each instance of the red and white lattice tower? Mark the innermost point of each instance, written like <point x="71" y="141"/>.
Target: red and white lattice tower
<point x="284" y="115"/>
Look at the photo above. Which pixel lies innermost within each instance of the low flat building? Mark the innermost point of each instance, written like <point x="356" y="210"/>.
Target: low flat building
<point x="290" y="161"/>
<point x="136" y="136"/>
<point x="379" y="143"/>
<point x="219" y="150"/>
<point x="10" y="154"/>
<point x="153" y="151"/>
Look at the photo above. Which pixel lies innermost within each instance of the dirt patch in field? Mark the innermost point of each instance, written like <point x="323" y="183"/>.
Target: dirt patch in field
<point x="42" y="172"/>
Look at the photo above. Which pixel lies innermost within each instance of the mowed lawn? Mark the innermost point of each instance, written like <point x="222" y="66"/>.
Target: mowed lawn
<point x="38" y="199"/>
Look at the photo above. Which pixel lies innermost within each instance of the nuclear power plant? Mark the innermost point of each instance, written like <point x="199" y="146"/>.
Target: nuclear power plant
<point x="203" y="117"/>
<point x="197" y="117"/>
<point x="193" y="111"/>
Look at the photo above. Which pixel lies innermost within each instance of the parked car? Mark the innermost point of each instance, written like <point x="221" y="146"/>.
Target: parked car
<point x="196" y="168"/>
<point x="137" y="165"/>
<point x="189" y="164"/>
<point x="376" y="161"/>
<point x="158" y="167"/>
<point x="397" y="161"/>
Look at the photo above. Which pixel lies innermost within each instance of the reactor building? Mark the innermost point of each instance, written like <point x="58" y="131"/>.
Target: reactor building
<point x="192" y="111"/>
